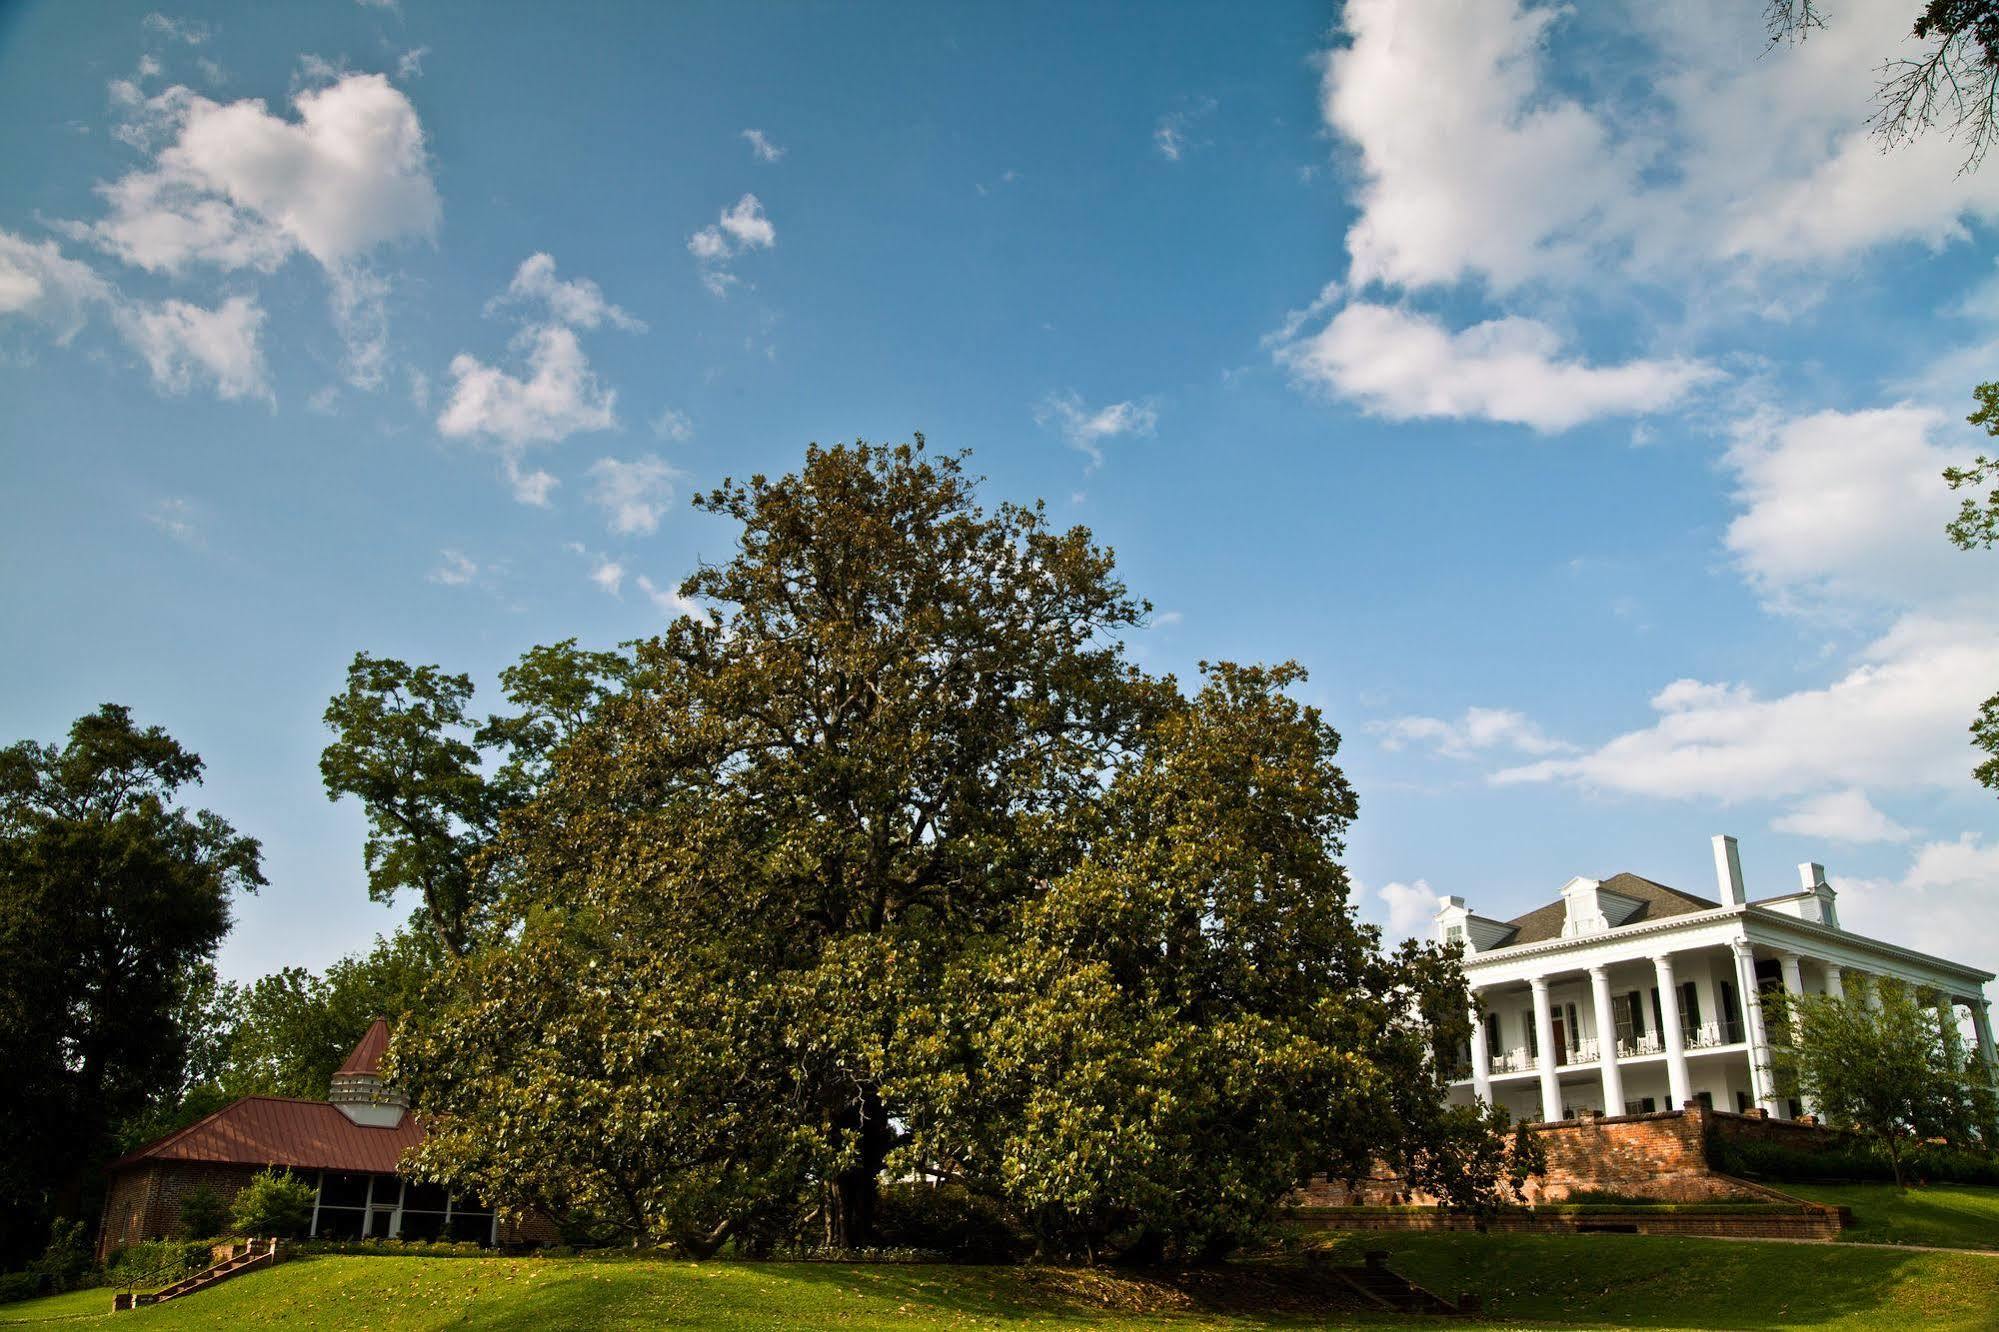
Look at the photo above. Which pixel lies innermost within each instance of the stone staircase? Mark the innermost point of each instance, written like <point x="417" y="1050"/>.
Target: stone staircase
<point x="1390" y="1290"/>
<point x="236" y="1260"/>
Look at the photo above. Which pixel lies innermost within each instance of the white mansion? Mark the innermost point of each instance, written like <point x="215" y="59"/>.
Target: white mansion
<point x="1627" y="996"/>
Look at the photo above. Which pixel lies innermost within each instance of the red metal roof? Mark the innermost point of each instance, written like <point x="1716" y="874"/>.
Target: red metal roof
<point x="282" y="1131"/>
<point x="367" y="1056"/>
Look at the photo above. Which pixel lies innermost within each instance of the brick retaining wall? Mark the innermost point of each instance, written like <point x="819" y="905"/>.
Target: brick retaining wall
<point x="1663" y="1155"/>
<point x="1806" y="1221"/>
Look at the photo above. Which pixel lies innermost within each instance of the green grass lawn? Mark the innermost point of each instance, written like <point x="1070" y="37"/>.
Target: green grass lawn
<point x="1956" y="1216"/>
<point x="1529" y="1280"/>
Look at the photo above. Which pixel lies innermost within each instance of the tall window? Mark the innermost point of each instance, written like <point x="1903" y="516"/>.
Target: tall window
<point x="1690" y="1007"/>
<point x="1629" y="1015"/>
<point x="1731" y="1012"/>
<point x="1533" y="1036"/>
<point x="1495" y="1043"/>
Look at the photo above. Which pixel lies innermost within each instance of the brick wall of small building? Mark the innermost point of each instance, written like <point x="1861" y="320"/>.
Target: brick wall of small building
<point x="144" y="1202"/>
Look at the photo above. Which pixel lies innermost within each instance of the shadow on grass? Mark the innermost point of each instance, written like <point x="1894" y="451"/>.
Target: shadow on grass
<point x="1660" y="1281"/>
<point x="730" y="1294"/>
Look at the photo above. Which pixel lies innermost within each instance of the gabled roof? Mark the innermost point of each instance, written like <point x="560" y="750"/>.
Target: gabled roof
<point x="284" y="1131"/>
<point x="1656" y="899"/>
<point x="367" y="1057"/>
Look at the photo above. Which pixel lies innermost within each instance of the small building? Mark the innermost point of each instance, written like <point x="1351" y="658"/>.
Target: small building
<point x="1624" y="996"/>
<point x="349" y="1147"/>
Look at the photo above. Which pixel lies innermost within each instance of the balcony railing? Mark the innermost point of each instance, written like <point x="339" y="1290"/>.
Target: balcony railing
<point x="1648" y="1044"/>
<point x="1512" y="1061"/>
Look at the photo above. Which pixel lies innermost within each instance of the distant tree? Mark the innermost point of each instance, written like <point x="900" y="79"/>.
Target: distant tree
<point x="1881" y="1063"/>
<point x="274" y="1202"/>
<point x="292" y="1029"/>
<point x="1953" y="83"/>
<point x="113" y="899"/>
<point x="406" y="746"/>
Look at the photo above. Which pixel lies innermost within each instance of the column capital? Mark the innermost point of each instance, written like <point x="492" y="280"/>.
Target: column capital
<point x="1790" y="955"/>
<point x="1741" y="947"/>
<point x="1599" y="972"/>
<point x="1663" y="961"/>
<point x="1539" y="984"/>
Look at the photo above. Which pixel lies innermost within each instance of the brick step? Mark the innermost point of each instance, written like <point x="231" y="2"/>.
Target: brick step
<point x="256" y="1253"/>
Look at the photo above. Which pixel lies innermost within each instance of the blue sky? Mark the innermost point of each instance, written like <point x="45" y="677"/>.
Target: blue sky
<point x="1566" y="389"/>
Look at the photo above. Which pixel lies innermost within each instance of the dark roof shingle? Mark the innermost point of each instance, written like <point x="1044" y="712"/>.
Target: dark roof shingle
<point x="1657" y="902"/>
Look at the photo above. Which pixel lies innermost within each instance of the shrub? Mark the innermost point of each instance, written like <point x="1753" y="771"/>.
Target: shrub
<point x="202" y="1213"/>
<point x="63" y="1264"/>
<point x="153" y="1263"/>
<point x="948" y="1219"/>
<point x="18" y="1286"/>
<point x="1857" y="1159"/>
<point x="1608" y="1198"/>
<point x="274" y="1203"/>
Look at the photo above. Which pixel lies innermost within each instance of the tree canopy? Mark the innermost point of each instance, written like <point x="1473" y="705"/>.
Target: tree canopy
<point x="113" y="898"/>
<point x="892" y="860"/>
<point x="1883" y="1062"/>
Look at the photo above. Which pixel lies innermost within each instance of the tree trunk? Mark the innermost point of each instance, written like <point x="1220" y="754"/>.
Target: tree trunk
<point x="1895" y="1160"/>
<point x="857" y="1190"/>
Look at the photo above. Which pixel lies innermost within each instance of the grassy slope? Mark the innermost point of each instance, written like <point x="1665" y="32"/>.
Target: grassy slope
<point x="1670" y="1282"/>
<point x="1543" y="1280"/>
<point x="1958" y="1216"/>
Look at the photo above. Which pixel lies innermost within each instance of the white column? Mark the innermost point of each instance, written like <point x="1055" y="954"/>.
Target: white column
<point x="1835" y="983"/>
<point x="1953" y="1041"/>
<point x="1981" y="1021"/>
<point x="1794" y="985"/>
<point x="1481" y="1062"/>
<point x="1752" y="1016"/>
<point x="1544" y="1044"/>
<point x="1606" y="1042"/>
<point x="1681" y="1087"/>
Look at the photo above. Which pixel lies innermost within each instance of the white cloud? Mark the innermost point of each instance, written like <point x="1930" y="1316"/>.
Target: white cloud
<point x="633" y="494"/>
<point x="1895" y="721"/>
<point x="179" y="520"/>
<point x="672" y="424"/>
<point x="184" y="343"/>
<point x="1469" y="165"/>
<point x="324" y="401"/>
<point x="38" y="283"/>
<point x="239" y="187"/>
<point x="1412" y="908"/>
<point x="409" y="65"/>
<point x="1847" y="510"/>
<point x="454" y="568"/>
<point x="1173" y="137"/>
<point x="1167" y="619"/>
<point x="1086" y="428"/>
<point x="558" y="397"/>
<point x="1480" y="730"/>
<point x="740" y="227"/>
<point x="579" y="303"/>
<point x="761" y="146"/>
<point x="1841" y="816"/>
<point x="191" y="31"/>
<point x="419" y="388"/>
<point x="1403" y="365"/>
<point x="609" y="575"/>
<point x="668" y="601"/>
<point x="1717" y="150"/>
<point x="1942" y="904"/>
<point x="236" y="187"/>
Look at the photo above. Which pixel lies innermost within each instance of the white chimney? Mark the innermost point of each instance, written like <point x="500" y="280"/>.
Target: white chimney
<point x="1812" y="877"/>
<point x="1728" y="870"/>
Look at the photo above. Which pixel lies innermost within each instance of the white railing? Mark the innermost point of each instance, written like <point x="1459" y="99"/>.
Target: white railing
<point x="1647" y="1044"/>
<point x="1512" y="1061"/>
<point x="1585" y="1051"/>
